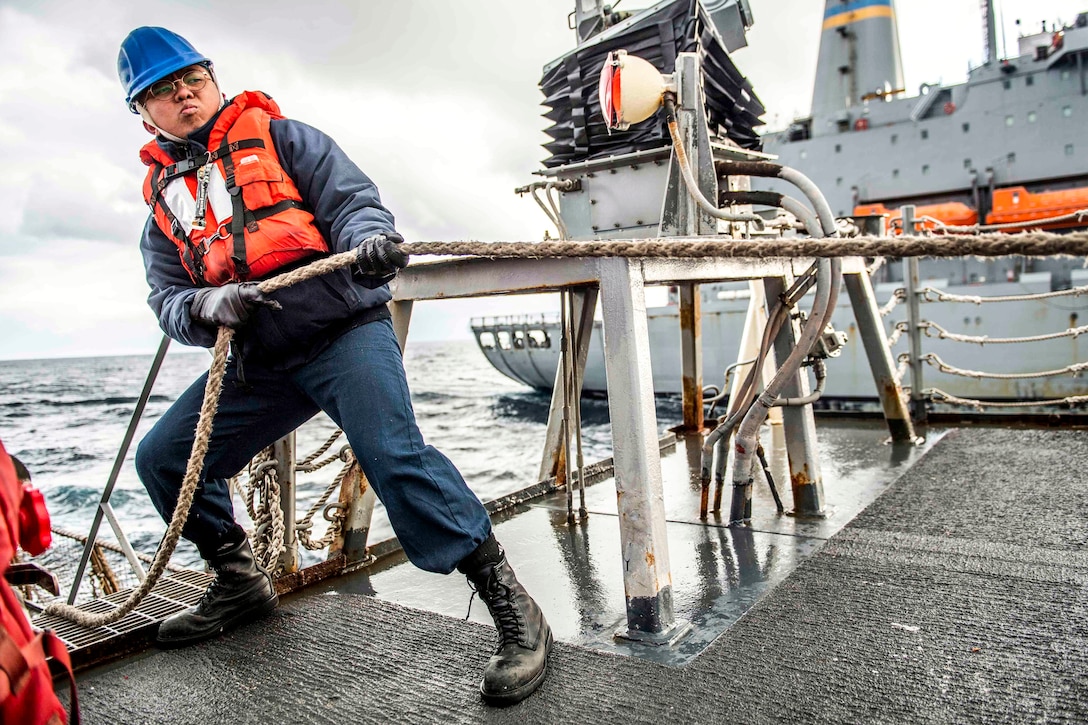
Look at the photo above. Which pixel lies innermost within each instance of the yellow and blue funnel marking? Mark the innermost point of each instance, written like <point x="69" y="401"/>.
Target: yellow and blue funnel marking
<point x="856" y="10"/>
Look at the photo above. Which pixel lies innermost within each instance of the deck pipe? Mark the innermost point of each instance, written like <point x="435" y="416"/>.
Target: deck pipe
<point x="827" y="287"/>
<point x="896" y="415"/>
<point x="746" y="439"/>
<point x="669" y="102"/>
<point x="819" y="371"/>
<point x="714" y="445"/>
<point x="829" y="274"/>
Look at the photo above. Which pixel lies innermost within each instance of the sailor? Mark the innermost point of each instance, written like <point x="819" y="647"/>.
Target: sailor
<point x="237" y="193"/>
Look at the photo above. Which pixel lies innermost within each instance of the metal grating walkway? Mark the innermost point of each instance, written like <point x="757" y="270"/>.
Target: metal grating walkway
<point x="175" y="592"/>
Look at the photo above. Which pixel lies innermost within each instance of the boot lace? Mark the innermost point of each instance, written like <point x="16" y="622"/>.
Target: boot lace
<point x="500" y="602"/>
<point x="211" y="593"/>
<point x="506" y="615"/>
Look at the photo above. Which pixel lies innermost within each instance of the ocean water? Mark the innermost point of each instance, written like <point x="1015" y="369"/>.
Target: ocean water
<point x="66" y="418"/>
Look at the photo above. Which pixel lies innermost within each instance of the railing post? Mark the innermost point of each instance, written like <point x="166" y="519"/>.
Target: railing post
<point x="647" y="580"/>
<point x="104" y="508"/>
<point x="691" y="352"/>
<point x="912" y="281"/>
<point x="799" y="422"/>
<point x="358" y="498"/>
<point x="585" y="304"/>
<point x="875" y="341"/>
<point x="283" y="451"/>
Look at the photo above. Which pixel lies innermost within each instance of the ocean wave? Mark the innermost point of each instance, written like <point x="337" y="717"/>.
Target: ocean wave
<point x="62" y="402"/>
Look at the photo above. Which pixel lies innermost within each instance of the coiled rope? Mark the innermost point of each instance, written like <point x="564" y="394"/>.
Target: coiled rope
<point x="988" y="245"/>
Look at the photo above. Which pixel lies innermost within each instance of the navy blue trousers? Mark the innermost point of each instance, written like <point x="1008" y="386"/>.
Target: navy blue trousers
<point x="359" y="382"/>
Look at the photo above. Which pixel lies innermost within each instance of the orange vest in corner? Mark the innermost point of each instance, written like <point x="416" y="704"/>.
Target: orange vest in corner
<point x="26" y="683"/>
<point x="233" y="212"/>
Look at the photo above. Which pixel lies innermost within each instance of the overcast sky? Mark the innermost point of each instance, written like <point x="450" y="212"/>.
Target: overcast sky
<point x="437" y="100"/>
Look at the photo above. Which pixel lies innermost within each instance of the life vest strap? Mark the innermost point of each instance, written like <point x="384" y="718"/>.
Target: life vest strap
<point x="192" y="257"/>
<point x="237" y="221"/>
<point x="223" y="152"/>
<point x="265" y="212"/>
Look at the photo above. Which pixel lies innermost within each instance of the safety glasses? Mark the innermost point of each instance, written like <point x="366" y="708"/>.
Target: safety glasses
<point x="194" y="80"/>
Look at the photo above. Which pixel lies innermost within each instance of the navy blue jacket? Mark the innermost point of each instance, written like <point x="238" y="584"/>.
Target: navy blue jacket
<point x="346" y="209"/>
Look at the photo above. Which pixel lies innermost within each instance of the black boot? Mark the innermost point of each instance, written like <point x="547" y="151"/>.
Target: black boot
<point x="519" y="664"/>
<point x="242" y="591"/>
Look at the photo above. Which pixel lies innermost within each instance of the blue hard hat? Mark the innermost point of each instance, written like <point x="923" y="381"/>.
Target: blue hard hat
<point x="151" y="53"/>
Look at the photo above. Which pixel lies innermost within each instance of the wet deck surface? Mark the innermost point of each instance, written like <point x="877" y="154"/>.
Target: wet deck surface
<point x="959" y="594"/>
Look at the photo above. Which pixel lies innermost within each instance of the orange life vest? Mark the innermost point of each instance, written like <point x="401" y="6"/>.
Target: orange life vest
<point x="233" y="212"/>
<point x="26" y="683"/>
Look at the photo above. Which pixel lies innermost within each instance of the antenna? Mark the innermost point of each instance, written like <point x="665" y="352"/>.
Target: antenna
<point x="989" y="27"/>
<point x="1004" y="51"/>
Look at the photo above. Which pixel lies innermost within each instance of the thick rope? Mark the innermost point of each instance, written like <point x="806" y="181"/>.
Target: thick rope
<point x="1031" y="244"/>
<point x="196" y="458"/>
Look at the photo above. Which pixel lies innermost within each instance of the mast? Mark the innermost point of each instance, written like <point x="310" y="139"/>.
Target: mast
<point x="989" y="23"/>
<point x="859" y="60"/>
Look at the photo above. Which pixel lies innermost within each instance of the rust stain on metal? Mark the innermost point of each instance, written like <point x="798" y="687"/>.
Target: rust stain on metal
<point x="650" y="559"/>
<point x="692" y="405"/>
<point x="801" y="478"/>
<point x="691" y="384"/>
<point x="310" y="575"/>
<point x="561" y="465"/>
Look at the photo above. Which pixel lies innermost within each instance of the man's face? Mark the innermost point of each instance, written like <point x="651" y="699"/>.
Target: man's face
<point x="187" y="105"/>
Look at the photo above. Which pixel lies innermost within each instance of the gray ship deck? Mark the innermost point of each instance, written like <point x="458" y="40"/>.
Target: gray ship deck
<point x="959" y="595"/>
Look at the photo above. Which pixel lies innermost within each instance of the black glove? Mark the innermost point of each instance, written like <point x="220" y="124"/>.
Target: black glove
<point x="378" y="260"/>
<point x="230" y="304"/>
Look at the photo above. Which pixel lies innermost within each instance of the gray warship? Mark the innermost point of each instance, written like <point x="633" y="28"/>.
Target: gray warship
<point x="997" y="152"/>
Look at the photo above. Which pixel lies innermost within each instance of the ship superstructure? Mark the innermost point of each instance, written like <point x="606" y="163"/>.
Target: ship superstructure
<point x="1014" y="122"/>
<point x="1002" y="148"/>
